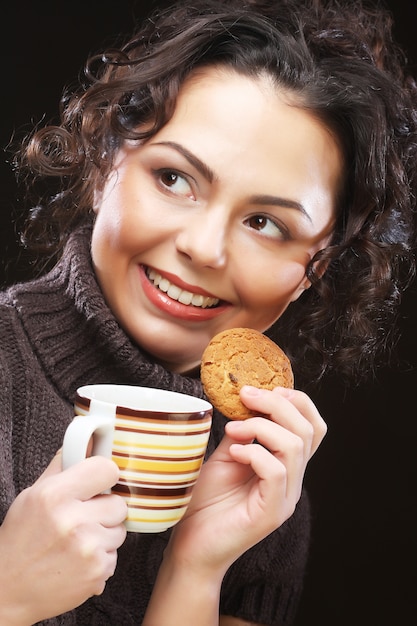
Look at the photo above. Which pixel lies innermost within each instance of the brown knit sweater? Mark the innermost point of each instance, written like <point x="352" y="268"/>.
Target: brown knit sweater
<point x="57" y="334"/>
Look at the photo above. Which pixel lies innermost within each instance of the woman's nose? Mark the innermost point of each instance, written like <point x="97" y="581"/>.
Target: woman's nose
<point x="203" y="238"/>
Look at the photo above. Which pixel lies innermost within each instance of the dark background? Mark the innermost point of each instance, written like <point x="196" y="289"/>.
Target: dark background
<point x="363" y="480"/>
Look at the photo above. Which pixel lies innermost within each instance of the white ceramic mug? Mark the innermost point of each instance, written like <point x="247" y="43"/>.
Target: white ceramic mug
<point x="157" y="438"/>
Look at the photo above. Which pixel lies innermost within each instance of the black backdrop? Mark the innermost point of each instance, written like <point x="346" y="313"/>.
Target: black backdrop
<point x="363" y="480"/>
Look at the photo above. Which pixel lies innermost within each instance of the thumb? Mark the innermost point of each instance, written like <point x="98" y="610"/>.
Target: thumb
<point x="221" y="453"/>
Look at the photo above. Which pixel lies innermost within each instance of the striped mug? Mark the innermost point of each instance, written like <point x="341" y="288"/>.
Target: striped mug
<point x="157" y="438"/>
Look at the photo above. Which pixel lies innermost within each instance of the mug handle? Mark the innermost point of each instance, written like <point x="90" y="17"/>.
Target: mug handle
<point x="79" y="433"/>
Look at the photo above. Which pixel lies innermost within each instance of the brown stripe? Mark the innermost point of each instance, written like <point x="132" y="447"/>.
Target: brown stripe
<point x="187" y="483"/>
<point x="150" y="492"/>
<point x="185" y="416"/>
<point x="144" y="414"/>
<point x="144" y="419"/>
<point x="164" y="507"/>
<point x="84" y="403"/>
<point x="163" y="432"/>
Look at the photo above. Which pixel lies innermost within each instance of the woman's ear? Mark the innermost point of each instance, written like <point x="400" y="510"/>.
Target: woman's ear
<point x="320" y="268"/>
<point x="306" y="284"/>
<point x="96" y="200"/>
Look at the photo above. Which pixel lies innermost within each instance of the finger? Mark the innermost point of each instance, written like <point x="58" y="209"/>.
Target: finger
<point x="109" y="509"/>
<point x="281" y="412"/>
<point x="275" y="496"/>
<point x="221" y="453"/>
<point x="106" y="539"/>
<point x="109" y="567"/>
<point x="278" y="442"/>
<point x="291" y="408"/>
<point x="94" y="542"/>
<point x="89" y="477"/>
<point x="308" y="410"/>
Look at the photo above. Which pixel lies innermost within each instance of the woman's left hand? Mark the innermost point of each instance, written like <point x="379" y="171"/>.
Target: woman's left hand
<point x="249" y="486"/>
<point x="252" y="482"/>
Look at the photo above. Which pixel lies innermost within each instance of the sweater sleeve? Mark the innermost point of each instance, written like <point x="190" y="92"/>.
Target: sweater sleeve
<point x="7" y="489"/>
<point x="264" y="585"/>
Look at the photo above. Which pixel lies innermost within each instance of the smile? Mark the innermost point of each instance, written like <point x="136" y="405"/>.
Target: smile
<point x="178" y="294"/>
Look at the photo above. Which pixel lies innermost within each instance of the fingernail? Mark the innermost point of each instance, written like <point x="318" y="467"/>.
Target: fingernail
<point x="251" y="391"/>
<point x="286" y="392"/>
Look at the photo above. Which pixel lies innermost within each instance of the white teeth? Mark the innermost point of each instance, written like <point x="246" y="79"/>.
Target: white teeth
<point x="197" y="300"/>
<point x="152" y="275"/>
<point x="164" y="284"/>
<point x="176" y="293"/>
<point x="185" y="297"/>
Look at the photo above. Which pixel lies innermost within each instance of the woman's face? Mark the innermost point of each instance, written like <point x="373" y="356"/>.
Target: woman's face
<point x="211" y="223"/>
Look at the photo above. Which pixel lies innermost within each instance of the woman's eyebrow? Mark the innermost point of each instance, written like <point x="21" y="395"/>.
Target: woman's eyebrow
<point x="210" y="176"/>
<point x="199" y="165"/>
<point x="282" y="202"/>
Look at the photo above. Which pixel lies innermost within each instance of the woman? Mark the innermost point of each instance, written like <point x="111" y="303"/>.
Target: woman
<point x="239" y="166"/>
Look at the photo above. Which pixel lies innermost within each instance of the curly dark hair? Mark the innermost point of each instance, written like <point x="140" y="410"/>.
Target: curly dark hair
<point x="341" y="62"/>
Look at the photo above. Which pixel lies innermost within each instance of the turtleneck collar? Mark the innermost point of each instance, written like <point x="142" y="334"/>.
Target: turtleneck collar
<point x="75" y="335"/>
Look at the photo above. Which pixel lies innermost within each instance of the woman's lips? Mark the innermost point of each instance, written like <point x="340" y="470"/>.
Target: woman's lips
<point x="179" y="299"/>
<point x="193" y="296"/>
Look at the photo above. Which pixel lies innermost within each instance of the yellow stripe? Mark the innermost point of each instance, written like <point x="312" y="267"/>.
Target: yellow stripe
<point x="148" y="446"/>
<point x="157" y="466"/>
<point x="156" y="520"/>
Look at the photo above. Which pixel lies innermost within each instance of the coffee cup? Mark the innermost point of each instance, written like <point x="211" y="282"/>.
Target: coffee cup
<point x="157" y="438"/>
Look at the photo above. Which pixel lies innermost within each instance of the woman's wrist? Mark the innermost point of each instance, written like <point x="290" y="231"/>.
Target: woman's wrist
<point x="184" y="594"/>
<point x="12" y="610"/>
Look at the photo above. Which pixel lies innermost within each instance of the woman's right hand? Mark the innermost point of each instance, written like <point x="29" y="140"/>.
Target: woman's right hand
<point x="59" y="541"/>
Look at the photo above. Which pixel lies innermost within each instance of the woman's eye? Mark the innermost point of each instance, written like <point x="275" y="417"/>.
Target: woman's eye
<point x="176" y="183"/>
<point x="267" y="226"/>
